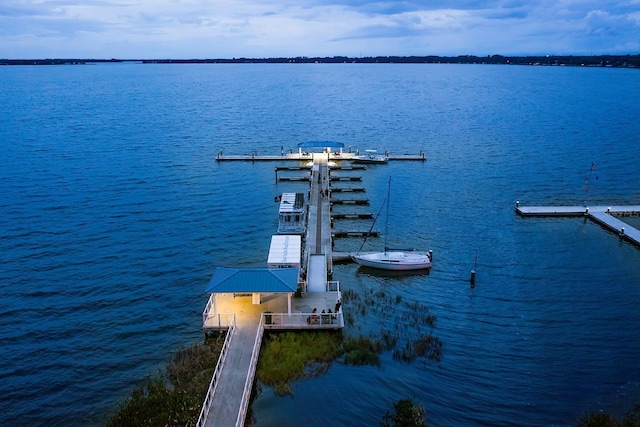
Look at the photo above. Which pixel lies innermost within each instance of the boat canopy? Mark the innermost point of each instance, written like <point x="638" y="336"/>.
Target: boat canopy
<point x="254" y="280"/>
<point x="291" y="202"/>
<point x="285" y="251"/>
<point x="321" y="144"/>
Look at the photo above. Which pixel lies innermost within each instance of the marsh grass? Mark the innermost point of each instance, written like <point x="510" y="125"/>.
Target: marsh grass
<point x="406" y="327"/>
<point x="173" y="397"/>
<point x="362" y="351"/>
<point x="288" y="356"/>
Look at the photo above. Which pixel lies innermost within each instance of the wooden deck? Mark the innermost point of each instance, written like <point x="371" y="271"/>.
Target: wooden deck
<point x="603" y="215"/>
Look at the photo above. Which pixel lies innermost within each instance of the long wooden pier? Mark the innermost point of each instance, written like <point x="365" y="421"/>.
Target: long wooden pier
<point x="603" y="215"/>
<point x="245" y="318"/>
<point x="229" y="393"/>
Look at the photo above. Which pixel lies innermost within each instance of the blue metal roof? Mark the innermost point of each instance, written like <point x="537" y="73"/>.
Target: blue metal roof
<point x="323" y="144"/>
<point x="253" y="280"/>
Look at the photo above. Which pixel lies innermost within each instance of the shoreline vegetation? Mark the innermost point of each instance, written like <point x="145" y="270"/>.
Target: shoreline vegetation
<point x="173" y="396"/>
<point x="614" y="61"/>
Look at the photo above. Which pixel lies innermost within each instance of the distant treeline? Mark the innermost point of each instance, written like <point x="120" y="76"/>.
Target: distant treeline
<point x="618" y="61"/>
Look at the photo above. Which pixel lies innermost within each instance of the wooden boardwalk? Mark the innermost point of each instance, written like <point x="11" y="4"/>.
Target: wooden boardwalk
<point x="230" y="389"/>
<point x="603" y="215"/>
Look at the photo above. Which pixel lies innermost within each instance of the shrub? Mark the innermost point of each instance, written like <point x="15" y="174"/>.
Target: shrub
<point x="407" y="414"/>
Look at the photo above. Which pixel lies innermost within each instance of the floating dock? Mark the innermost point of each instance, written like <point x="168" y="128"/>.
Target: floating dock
<point x="350" y="201"/>
<point x="602" y="215"/>
<point x="364" y="215"/>
<point x="291" y="156"/>
<point x="342" y="234"/>
<point x="347" y="189"/>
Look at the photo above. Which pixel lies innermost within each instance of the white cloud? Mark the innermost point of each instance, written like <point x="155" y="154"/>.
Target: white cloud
<point x="236" y="28"/>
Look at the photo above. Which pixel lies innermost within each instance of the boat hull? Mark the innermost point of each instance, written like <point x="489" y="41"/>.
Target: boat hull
<point x="370" y="160"/>
<point x="396" y="261"/>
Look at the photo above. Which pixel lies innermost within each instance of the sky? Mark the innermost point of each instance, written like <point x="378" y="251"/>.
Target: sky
<point x="199" y="29"/>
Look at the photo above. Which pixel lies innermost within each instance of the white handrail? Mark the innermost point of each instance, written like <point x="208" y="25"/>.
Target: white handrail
<point x="333" y="286"/>
<point x="205" y="313"/>
<point x="305" y="320"/>
<point x="213" y="385"/>
<point x="246" y="395"/>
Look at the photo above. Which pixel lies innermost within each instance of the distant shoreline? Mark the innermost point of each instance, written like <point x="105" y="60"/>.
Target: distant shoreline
<point x="616" y="61"/>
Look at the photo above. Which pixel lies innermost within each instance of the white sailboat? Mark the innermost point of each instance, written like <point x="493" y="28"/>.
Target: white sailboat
<point x="393" y="259"/>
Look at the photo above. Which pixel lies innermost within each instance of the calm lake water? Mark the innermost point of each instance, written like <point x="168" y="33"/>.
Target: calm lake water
<point x="114" y="216"/>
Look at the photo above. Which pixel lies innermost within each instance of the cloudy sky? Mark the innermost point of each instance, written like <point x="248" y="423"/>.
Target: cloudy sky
<point x="142" y="29"/>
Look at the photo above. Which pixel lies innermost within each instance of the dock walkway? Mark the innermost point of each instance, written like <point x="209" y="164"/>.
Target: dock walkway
<point x="603" y="215"/>
<point x="229" y="393"/>
<point x="225" y="410"/>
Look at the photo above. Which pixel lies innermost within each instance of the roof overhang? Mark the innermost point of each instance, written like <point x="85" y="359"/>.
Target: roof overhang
<point x="254" y="280"/>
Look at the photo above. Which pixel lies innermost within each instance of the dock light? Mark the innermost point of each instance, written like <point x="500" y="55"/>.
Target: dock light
<point x="586" y="210"/>
<point x="517" y="203"/>
<point x="609" y="210"/>
<point x="622" y="231"/>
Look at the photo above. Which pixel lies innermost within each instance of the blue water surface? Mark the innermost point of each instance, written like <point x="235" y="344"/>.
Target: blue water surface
<point x="114" y="214"/>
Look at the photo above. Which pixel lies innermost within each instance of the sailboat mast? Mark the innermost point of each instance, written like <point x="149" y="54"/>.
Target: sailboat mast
<point x="371" y="228"/>
<point x="386" y="223"/>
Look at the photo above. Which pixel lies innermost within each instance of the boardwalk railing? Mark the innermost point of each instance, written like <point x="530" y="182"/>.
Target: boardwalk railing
<point x="246" y="395"/>
<point x="207" y="308"/>
<point x="204" y="412"/>
<point x="216" y="320"/>
<point x="333" y="286"/>
<point x="303" y="320"/>
<point x="219" y="321"/>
